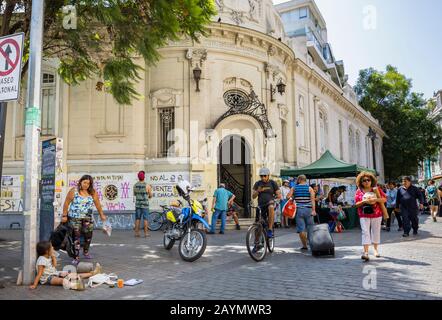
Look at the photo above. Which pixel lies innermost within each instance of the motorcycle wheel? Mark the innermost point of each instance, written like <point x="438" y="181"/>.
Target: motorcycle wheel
<point x="167" y="242"/>
<point x="192" y="251"/>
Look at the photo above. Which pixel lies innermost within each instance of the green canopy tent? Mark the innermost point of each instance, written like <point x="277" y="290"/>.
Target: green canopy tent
<point x="327" y="167"/>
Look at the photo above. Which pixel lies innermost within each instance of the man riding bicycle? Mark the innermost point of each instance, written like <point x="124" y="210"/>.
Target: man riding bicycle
<point x="266" y="190"/>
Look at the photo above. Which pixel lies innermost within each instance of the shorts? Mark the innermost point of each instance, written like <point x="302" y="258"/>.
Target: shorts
<point x="303" y="219"/>
<point x="141" y="212"/>
<point x="48" y="281"/>
<point x="434" y="202"/>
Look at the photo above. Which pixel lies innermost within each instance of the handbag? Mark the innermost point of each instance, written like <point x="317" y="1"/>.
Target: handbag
<point x="382" y="205"/>
<point x="289" y="209"/>
<point x="73" y="282"/>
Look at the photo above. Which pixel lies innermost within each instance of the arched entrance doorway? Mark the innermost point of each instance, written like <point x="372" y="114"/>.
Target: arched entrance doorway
<point x="234" y="170"/>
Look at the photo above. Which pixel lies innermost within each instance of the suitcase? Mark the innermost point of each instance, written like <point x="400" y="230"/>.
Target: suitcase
<point x="320" y="240"/>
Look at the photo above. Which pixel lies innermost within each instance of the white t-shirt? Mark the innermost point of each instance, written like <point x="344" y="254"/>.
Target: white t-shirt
<point x="49" y="270"/>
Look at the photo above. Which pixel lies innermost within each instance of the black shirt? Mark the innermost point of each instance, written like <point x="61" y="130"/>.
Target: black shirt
<point x="406" y="198"/>
<point x="269" y="192"/>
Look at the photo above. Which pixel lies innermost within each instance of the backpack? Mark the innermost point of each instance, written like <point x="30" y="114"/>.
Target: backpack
<point x="61" y="239"/>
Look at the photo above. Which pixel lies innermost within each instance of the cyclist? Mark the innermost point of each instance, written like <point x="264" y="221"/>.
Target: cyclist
<point x="266" y="190"/>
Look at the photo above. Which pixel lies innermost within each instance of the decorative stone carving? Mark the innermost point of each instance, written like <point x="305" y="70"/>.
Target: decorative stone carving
<point x="239" y="39"/>
<point x="237" y="83"/>
<point x="283" y="112"/>
<point x="271" y="51"/>
<point x="237" y="17"/>
<point x="196" y="57"/>
<point x="166" y="98"/>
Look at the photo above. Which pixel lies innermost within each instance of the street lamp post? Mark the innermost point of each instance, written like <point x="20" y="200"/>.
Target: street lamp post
<point x="373" y="136"/>
<point x="32" y="140"/>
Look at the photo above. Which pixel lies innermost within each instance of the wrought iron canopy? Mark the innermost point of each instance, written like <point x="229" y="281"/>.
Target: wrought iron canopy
<point x="240" y="102"/>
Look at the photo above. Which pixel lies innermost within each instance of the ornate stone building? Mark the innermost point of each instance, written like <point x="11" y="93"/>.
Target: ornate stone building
<point x="248" y="95"/>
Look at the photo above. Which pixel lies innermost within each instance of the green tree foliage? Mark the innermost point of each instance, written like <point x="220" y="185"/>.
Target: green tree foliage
<point x="412" y="134"/>
<point x="110" y="36"/>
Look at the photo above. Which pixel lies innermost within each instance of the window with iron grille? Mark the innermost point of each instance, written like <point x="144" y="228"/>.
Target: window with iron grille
<point x="167" y="125"/>
<point x="48" y="96"/>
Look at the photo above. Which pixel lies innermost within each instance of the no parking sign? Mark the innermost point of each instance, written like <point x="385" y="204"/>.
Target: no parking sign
<point x="11" y="53"/>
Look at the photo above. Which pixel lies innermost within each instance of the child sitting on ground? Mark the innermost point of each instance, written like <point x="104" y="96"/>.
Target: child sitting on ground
<point x="46" y="267"/>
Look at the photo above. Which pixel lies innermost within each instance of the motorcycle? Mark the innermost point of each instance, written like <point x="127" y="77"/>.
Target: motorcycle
<point x="184" y="225"/>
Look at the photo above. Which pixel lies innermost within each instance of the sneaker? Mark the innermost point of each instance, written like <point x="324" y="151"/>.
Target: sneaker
<point x="434" y="219"/>
<point x="147" y="235"/>
<point x="221" y="232"/>
<point x="256" y="248"/>
<point x="238" y="227"/>
<point x="270" y="234"/>
<point x="415" y="233"/>
<point x="365" y="257"/>
<point x="75" y="262"/>
<point x="405" y="235"/>
<point x="388" y="229"/>
<point x="210" y="232"/>
<point x="303" y="249"/>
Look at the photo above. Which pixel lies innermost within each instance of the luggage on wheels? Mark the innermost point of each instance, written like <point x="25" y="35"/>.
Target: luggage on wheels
<point x="320" y="240"/>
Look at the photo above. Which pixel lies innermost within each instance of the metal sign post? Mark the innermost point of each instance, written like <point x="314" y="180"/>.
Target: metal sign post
<point x="32" y="140"/>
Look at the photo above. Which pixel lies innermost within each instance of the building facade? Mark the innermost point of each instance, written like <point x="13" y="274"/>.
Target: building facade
<point x="432" y="168"/>
<point x="262" y="89"/>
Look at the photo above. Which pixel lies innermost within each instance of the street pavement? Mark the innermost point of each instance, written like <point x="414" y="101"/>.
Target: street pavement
<point x="409" y="269"/>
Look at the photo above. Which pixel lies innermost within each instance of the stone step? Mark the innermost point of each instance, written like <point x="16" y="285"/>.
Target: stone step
<point x="230" y="225"/>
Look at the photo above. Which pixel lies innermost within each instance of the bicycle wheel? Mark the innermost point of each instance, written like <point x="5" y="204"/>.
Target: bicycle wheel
<point x="256" y="242"/>
<point x="155" y="221"/>
<point x="271" y="244"/>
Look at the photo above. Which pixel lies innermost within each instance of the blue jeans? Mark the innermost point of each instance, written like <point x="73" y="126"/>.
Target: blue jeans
<point x="141" y="212"/>
<point x="215" y="216"/>
<point x="304" y="219"/>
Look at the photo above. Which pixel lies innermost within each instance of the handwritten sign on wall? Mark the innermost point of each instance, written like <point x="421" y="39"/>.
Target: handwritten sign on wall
<point x="163" y="186"/>
<point x="11" y="199"/>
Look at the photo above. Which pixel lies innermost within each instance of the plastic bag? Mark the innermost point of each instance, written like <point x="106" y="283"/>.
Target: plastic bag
<point x="101" y="278"/>
<point x="107" y="228"/>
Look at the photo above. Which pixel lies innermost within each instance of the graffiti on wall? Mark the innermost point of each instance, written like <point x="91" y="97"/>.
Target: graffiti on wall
<point x="163" y="186"/>
<point x="115" y="191"/>
<point x="11" y="199"/>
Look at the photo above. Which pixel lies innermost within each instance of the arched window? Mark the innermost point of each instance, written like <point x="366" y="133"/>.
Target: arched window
<point x="48" y="104"/>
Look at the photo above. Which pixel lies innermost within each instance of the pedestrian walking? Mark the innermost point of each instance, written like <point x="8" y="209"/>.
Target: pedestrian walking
<point x="433" y="199"/>
<point x="233" y="212"/>
<point x="368" y="200"/>
<point x="142" y="194"/>
<point x="304" y="197"/>
<point x="222" y="199"/>
<point x="77" y="211"/>
<point x="406" y="201"/>
<point x="391" y="207"/>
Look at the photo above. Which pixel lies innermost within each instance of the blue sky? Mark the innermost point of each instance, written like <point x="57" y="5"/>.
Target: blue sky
<point x="407" y="34"/>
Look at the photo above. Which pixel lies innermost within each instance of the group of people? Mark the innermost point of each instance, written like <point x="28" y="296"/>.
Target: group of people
<point x="375" y="205"/>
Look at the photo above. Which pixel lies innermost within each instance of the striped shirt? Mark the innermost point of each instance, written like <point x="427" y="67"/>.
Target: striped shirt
<point x="302" y="196"/>
<point x="141" y="195"/>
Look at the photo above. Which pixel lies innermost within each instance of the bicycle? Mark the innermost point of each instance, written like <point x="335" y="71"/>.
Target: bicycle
<point x="157" y="219"/>
<point x="257" y="240"/>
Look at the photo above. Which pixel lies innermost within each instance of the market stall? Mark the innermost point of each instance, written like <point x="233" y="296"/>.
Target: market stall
<point x="325" y="168"/>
